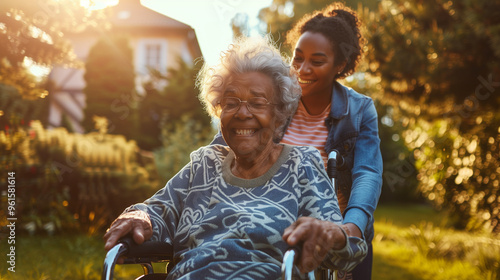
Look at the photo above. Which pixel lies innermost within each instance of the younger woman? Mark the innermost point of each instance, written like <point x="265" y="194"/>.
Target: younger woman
<point x="327" y="46"/>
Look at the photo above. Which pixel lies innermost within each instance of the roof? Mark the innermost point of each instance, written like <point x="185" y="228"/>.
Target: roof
<point x="131" y="13"/>
<point x="132" y="16"/>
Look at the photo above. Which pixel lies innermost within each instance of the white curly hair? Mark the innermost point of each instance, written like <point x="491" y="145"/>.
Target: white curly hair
<point x="252" y="54"/>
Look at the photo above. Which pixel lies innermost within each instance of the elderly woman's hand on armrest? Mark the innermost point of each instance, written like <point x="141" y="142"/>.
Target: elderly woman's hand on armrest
<point x="135" y="222"/>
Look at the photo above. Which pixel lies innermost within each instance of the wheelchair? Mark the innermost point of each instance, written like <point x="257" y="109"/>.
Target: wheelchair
<point x="155" y="251"/>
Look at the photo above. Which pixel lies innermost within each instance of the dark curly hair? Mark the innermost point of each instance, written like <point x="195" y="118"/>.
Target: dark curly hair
<point x="340" y="25"/>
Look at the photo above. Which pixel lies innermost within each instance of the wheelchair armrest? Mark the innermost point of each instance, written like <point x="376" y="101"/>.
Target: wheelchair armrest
<point x="145" y="253"/>
<point x="149" y="251"/>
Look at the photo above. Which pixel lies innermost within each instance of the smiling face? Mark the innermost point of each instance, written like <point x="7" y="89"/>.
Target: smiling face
<point x="314" y="60"/>
<point x="249" y="134"/>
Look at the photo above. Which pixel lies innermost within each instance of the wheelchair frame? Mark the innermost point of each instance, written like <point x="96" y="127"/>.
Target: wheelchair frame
<point x="154" y="251"/>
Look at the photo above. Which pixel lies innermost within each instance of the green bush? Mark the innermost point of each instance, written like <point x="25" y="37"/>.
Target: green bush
<point x="459" y="171"/>
<point x="68" y="181"/>
<point x="437" y="62"/>
<point x="16" y="110"/>
<point x="179" y="139"/>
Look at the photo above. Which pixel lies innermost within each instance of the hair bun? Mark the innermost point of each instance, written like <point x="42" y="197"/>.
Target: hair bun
<point x="340" y="11"/>
<point x="340" y="25"/>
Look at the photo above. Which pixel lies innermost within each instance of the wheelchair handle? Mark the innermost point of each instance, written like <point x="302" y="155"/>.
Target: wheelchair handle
<point x="335" y="161"/>
<point x="111" y="258"/>
<point x="145" y="253"/>
<point x="291" y="256"/>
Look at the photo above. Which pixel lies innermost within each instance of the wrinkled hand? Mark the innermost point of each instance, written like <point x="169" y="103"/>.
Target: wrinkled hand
<point x="317" y="238"/>
<point x="136" y="222"/>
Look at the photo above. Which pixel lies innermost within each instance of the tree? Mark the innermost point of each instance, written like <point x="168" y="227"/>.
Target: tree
<point x="110" y="86"/>
<point x="434" y="51"/>
<point x="17" y="111"/>
<point x="438" y="64"/>
<point x="34" y="31"/>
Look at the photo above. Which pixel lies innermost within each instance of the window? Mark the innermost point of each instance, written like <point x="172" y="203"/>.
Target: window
<point x="151" y="54"/>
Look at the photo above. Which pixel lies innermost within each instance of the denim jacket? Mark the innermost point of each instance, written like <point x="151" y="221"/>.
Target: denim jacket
<point x="353" y="132"/>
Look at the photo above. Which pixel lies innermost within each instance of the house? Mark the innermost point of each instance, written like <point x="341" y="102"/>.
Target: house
<point x="157" y="41"/>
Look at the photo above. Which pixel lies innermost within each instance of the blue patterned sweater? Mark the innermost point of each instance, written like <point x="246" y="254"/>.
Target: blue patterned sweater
<point x="225" y="227"/>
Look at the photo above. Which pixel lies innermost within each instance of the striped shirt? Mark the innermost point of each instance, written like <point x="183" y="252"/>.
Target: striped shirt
<point x="308" y="130"/>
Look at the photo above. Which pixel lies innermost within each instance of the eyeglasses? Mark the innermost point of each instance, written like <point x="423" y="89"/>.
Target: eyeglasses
<point x="254" y="104"/>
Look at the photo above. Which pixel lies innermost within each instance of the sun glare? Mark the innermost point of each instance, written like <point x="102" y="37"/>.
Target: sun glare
<point x="97" y="4"/>
<point x="37" y="70"/>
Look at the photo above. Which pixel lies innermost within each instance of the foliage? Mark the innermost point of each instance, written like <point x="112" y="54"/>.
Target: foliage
<point x="438" y="67"/>
<point x="400" y="174"/>
<point x="73" y="181"/>
<point x="16" y="111"/>
<point x="437" y="243"/>
<point x="282" y="14"/>
<point x="110" y="86"/>
<point x="179" y="139"/>
<point x="459" y="171"/>
<point x="175" y="99"/>
<point x="34" y="32"/>
<point x="239" y="25"/>
<point x="435" y="50"/>
<point x="26" y="85"/>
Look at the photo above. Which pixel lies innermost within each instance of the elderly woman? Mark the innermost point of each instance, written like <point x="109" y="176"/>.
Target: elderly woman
<point x="234" y="210"/>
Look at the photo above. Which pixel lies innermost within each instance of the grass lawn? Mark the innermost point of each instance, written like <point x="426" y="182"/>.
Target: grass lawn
<point x="412" y="242"/>
<point x="402" y="215"/>
<point x="397" y="254"/>
<point x="77" y="257"/>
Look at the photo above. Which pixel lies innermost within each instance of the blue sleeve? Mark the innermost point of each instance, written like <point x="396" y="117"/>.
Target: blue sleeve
<point x="366" y="173"/>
